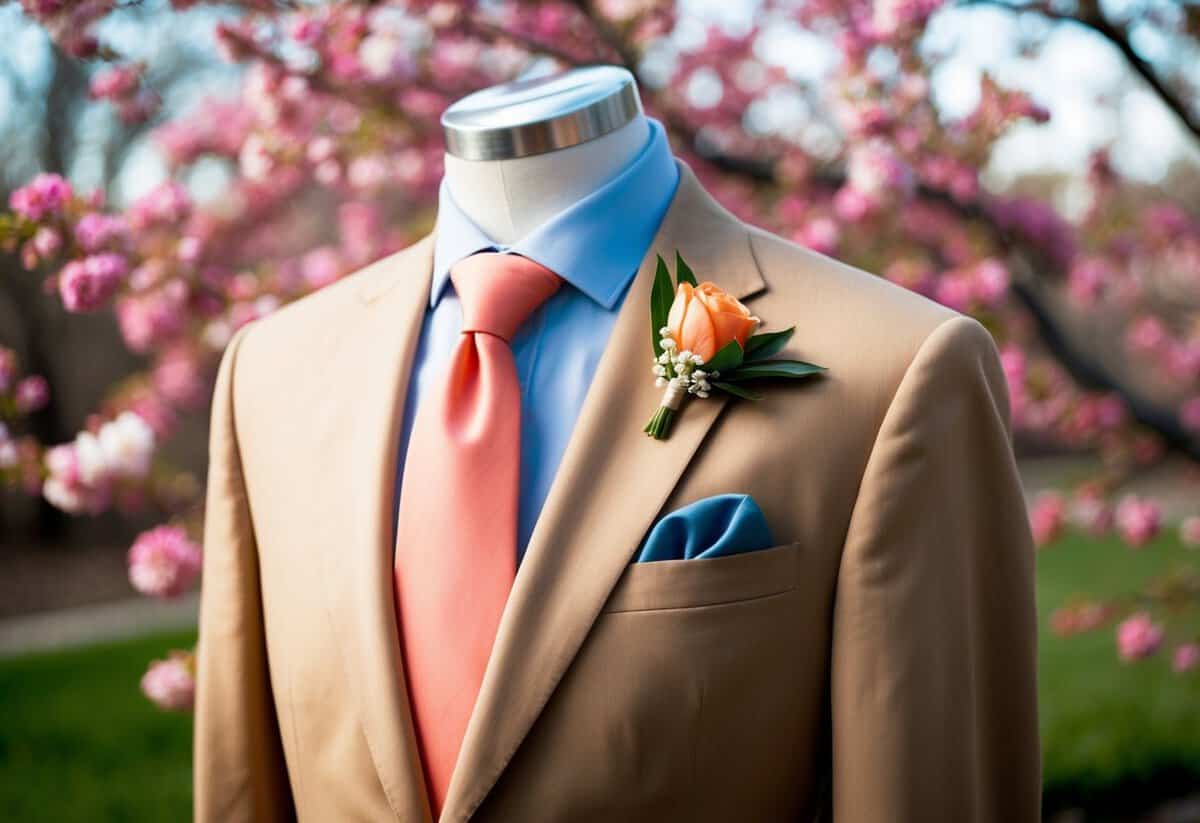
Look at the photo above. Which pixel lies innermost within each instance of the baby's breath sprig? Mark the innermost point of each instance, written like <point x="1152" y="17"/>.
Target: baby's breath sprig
<point x="683" y="367"/>
<point x="679" y="374"/>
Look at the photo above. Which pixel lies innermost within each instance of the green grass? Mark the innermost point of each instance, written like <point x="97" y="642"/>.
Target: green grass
<point x="78" y="742"/>
<point x="1114" y="735"/>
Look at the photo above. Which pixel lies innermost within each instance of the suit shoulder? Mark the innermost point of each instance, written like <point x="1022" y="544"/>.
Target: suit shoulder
<point x="865" y="329"/>
<point x="319" y="316"/>
<point x="804" y="275"/>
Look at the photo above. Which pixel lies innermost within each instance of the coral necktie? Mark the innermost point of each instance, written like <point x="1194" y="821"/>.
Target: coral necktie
<point x="456" y="531"/>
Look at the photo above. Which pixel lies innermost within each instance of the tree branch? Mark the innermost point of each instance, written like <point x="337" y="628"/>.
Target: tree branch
<point x="494" y="32"/>
<point x="1118" y="36"/>
<point x="610" y="35"/>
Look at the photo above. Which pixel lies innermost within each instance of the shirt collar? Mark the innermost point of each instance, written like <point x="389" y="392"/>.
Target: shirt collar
<point x="595" y="244"/>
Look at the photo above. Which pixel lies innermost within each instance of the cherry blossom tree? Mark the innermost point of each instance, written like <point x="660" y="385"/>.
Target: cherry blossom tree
<point x="334" y="153"/>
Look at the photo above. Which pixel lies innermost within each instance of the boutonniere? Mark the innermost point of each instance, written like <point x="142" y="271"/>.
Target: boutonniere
<point x="704" y="341"/>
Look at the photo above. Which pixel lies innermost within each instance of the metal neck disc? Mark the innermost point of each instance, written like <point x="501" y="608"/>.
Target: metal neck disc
<point x="536" y="116"/>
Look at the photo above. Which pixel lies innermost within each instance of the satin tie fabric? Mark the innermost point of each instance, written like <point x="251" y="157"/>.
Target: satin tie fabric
<point x="456" y="530"/>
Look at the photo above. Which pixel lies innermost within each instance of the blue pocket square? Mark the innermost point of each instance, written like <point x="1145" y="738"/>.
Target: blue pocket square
<point x="712" y="527"/>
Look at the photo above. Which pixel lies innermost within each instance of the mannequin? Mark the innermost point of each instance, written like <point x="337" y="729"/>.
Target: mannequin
<point x="519" y="153"/>
<point x="870" y="656"/>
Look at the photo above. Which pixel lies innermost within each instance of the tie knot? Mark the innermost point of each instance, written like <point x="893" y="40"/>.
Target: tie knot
<point x="499" y="291"/>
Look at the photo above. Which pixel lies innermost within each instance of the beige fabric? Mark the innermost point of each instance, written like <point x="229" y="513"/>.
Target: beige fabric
<point x="877" y="665"/>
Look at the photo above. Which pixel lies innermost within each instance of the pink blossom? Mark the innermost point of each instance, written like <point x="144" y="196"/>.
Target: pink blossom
<point x="81" y="46"/>
<point x="1090" y="511"/>
<point x="1167" y="220"/>
<point x="875" y="169"/>
<point x="1087" y="278"/>
<point x="62" y="462"/>
<point x="179" y="377"/>
<point x="1038" y="222"/>
<point x="852" y="205"/>
<point x="386" y="58"/>
<point x="964" y="183"/>
<point x="65" y="488"/>
<point x="990" y="281"/>
<point x="1081" y="617"/>
<point x="46" y="194"/>
<point x="1146" y="334"/>
<point x="893" y="17"/>
<point x="321" y="149"/>
<point x="8" y="368"/>
<point x="1046" y="517"/>
<point x="47" y="242"/>
<point x="150" y="273"/>
<point x="167" y="203"/>
<point x="96" y="231"/>
<point x="42" y="8"/>
<point x="235" y="40"/>
<point x="953" y="290"/>
<point x="865" y="119"/>
<point x="361" y="226"/>
<point x="422" y="102"/>
<point x="307" y="30"/>
<point x="158" y="414"/>
<point x="368" y="171"/>
<point x="1138" y="637"/>
<point x="321" y="266"/>
<point x="1138" y="520"/>
<point x="1186" y="657"/>
<point x="9" y="455"/>
<point x="910" y="273"/>
<point x="170" y="684"/>
<point x="255" y="159"/>
<point x="189" y="248"/>
<point x="1189" y="531"/>
<point x="151" y="318"/>
<point x="1182" y="360"/>
<point x="32" y="393"/>
<point x="115" y="82"/>
<point x="86" y="285"/>
<point x="163" y="562"/>
<point x="821" y="234"/>
<point x="1189" y="413"/>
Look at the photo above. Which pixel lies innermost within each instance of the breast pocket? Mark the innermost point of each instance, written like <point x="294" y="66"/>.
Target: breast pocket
<point x="698" y="689"/>
<point x="683" y="584"/>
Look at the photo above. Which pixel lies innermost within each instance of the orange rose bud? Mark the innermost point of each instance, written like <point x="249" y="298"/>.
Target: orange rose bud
<point x="703" y="319"/>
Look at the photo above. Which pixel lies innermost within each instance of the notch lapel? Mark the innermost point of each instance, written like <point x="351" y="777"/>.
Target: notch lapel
<point x="374" y="368"/>
<point x="610" y="485"/>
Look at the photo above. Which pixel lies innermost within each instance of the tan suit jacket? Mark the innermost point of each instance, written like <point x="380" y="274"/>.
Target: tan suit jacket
<point x="877" y="665"/>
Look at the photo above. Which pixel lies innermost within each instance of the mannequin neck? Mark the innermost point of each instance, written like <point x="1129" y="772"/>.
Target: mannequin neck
<point x="510" y="198"/>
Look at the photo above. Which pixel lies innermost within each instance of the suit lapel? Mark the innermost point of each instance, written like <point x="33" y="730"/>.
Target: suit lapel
<point x="372" y="380"/>
<point x="610" y="485"/>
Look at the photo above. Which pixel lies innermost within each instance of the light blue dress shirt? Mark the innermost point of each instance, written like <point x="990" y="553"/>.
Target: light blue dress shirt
<point x="596" y="245"/>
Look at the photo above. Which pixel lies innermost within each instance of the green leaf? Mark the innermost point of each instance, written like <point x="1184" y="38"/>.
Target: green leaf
<point x="661" y="295"/>
<point x="762" y="346"/>
<point x="737" y="391"/>
<point x="683" y="272"/>
<point x="729" y="357"/>
<point x="774" y="368"/>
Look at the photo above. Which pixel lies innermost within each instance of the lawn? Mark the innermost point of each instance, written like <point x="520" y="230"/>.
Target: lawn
<point x="1114" y="735"/>
<point x="79" y="743"/>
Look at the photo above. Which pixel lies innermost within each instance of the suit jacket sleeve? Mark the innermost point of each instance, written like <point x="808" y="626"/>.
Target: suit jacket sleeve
<point x="239" y="772"/>
<point x="933" y="692"/>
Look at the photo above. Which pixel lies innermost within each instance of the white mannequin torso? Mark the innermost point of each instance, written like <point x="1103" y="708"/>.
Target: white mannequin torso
<point x="510" y="198"/>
